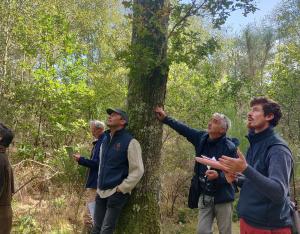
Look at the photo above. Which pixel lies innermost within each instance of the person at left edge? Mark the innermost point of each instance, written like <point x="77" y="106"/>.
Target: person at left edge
<point x="6" y="181"/>
<point x="120" y="169"/>
<point x="97" y="129"/>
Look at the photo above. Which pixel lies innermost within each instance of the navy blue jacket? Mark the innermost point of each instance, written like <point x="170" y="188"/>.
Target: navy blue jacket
<point x="92" y="164"/>
<point x="256" y="205"/>
<point x="223" y="146"/>
<point x="113" y="168"/>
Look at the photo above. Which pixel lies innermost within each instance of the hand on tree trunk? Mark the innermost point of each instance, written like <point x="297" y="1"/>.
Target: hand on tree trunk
<point x="160" y="113"/>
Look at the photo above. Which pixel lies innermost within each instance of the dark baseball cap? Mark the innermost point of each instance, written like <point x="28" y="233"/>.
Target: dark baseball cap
<point x="119" y="111"/>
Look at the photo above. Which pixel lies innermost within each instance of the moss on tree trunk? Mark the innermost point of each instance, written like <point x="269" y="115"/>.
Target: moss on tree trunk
<point x="147" y="88"/>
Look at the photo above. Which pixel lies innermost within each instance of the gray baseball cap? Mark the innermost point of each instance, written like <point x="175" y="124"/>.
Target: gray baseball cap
<point x="119" y="111"/>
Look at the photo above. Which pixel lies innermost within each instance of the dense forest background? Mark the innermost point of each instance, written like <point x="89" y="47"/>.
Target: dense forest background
<point x="62" y="63"/>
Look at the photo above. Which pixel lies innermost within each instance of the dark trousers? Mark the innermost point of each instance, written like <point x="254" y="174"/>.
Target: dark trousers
<point x="107" y="212"/>
<point x="5" y="219"/>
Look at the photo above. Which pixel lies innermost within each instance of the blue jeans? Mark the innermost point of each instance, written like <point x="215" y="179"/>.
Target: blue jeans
<point x="107" y="212"/>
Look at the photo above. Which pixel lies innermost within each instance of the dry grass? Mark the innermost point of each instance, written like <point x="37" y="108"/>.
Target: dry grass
<point x="170" y="227"/>
<point x="45" y="205"/>
<point x="48" y="214"/>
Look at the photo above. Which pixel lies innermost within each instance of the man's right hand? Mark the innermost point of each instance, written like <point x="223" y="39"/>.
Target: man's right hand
<point x="160" y="113"/>
<point x="211" y="174"/>
<point x="76" y="157"/>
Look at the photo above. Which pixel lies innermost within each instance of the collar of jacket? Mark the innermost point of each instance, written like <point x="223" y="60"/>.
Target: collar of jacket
<point x="118" y="132"/>
<point x="96" y="140"/>
<point x="216" y="141"/>
<point x="256" y="137"/>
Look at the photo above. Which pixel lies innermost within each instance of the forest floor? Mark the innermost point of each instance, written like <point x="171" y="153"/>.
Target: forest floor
<point x="55" y="213"/>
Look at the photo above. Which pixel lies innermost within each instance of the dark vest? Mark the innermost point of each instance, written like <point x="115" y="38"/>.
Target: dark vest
<point x="113" y="168"/>
<point x="255" y="208"/>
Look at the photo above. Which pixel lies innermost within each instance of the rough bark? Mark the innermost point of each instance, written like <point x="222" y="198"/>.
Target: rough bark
<point x="147" y="88"/>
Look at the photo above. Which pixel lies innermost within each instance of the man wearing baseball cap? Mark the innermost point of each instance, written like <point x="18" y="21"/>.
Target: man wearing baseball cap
<point x="120" y="169"/>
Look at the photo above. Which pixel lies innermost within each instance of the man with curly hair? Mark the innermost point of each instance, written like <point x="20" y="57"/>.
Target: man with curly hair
<point x="264" y="204"/>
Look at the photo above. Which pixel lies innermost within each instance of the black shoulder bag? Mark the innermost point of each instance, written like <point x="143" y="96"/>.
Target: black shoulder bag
<point x="194" y="192"/>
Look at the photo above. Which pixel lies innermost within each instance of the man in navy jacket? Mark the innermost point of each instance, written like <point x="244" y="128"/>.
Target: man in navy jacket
<point x="97" y="129"/>
<point x="216" y="193"/>
<point x="120" y="169"/>
<point x="264" y="200"/>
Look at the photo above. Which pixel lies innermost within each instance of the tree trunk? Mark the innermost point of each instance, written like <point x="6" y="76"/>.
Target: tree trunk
<point x="147" y="88"/>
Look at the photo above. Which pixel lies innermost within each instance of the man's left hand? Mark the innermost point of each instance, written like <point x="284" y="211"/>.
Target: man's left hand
<point x="76" y="157"/>
<point x="118" y="190"/>
<point x="211" y="174"/>
<point x="234" y="165"/>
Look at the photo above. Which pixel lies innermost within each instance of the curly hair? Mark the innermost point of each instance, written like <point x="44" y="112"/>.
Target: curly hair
<point x="269" y="107"/>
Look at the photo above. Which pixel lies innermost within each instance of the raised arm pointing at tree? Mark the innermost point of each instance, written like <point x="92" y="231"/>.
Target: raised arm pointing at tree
<point x="216" y="194"/>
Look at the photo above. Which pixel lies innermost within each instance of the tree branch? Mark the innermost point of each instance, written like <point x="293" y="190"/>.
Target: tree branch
<point x="192" y="10"/>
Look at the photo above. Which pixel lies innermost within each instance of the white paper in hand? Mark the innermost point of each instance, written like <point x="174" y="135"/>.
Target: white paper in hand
<point x="208" y="166"/>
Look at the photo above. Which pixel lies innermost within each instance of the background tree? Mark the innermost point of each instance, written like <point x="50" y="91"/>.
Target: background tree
<point x="285" y="69"/>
